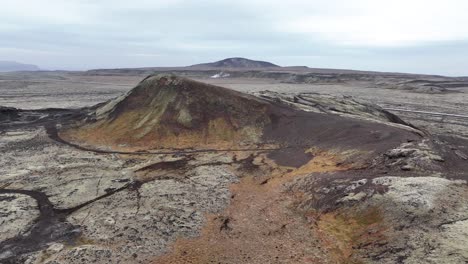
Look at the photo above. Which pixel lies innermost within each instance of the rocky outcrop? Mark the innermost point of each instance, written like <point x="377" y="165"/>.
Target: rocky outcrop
<point x="8" y="114"/>
<point x="339" y="105"/>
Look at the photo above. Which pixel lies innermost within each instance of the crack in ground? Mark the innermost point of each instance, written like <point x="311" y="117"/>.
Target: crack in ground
<point x="50" y="226"/>
<point x="451" y="222"/>
<point x="138" y="196"/>
<point x="98" y="184"/>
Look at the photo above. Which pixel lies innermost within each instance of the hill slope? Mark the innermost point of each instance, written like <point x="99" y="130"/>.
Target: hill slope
<point x="166" y="111"/>
<point x="9" y="66"/>
<point x="236" y="63"/>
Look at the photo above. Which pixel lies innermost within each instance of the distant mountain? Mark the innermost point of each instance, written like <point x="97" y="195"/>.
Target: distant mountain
<point x="9" y="66"/>
<point x="236" y="63"/>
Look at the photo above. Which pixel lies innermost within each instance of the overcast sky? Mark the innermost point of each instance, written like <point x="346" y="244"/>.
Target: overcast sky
<point x="420" y="36"/>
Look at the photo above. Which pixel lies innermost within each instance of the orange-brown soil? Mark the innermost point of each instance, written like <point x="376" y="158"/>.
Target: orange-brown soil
<point x="344" y="231"/>
<point x="260" y="225"/>
<point x="218" y="134"/>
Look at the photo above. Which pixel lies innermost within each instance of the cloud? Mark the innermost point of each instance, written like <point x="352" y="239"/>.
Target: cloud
<point x="373" y="22"/>
<point x="332" y="33"/>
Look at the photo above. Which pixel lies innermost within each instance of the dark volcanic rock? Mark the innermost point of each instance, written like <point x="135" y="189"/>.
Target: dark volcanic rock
<point x="8" y="113"/>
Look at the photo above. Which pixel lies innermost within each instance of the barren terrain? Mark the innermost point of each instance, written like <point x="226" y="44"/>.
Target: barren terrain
<point x="291" y="167"/>
<point x="78" y="89"/>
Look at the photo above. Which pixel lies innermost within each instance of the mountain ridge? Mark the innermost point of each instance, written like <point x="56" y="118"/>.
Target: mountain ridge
<point x="12" y="66"/>
<point x="236" y="62"/>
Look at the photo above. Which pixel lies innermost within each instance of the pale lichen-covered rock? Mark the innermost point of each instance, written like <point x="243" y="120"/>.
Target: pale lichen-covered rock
<point x="17" y="213"/>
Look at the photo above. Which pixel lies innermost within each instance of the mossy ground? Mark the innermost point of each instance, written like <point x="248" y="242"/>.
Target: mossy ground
<point x="344" y="231"/>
